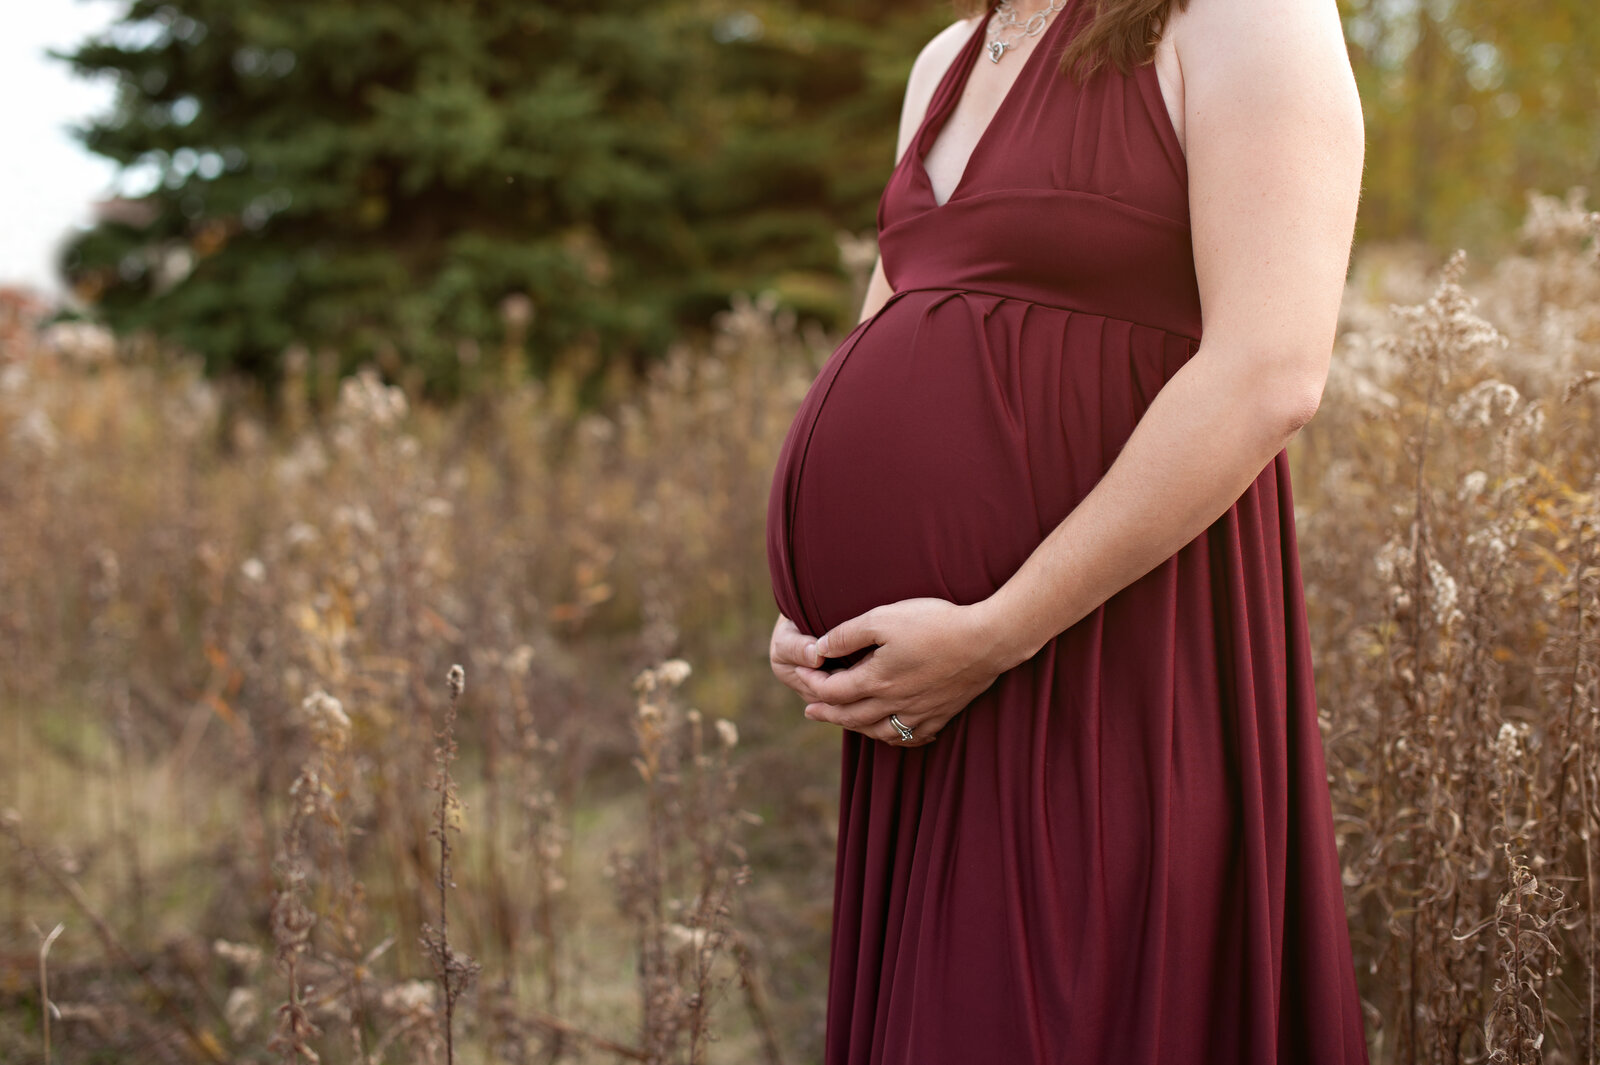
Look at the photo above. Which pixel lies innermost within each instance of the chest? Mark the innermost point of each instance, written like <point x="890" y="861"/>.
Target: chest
<point x="986" y="89"/>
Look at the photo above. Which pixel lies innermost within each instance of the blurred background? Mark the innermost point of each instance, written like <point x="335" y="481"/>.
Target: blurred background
<point x="343" y="344"/>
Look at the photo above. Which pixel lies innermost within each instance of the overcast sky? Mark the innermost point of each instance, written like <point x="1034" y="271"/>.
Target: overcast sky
<point x="47" y="181"/>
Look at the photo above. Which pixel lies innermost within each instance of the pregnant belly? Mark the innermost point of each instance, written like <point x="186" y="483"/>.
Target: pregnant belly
<point x="929" y="458"/>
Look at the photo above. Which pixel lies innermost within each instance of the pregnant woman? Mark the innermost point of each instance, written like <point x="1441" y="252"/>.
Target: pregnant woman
<point x="1033" y="547"/>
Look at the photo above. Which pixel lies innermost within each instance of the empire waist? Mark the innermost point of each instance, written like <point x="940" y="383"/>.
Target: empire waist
<point x="1076" y="251"/>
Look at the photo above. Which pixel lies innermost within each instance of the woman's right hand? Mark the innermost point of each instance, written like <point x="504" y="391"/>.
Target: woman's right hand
<point x="794" y="657"/>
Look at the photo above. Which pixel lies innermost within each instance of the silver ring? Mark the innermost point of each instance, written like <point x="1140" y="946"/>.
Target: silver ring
<point x="905" y="733"/>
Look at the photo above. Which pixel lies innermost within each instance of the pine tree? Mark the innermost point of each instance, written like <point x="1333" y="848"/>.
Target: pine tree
<point x="376" y="178"/>
<point x="807" y="105"/>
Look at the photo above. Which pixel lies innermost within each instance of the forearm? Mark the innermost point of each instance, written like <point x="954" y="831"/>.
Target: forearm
<point x="1207" y="434"/>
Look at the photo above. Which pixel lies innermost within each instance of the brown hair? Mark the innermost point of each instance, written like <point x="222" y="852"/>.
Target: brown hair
<point x="1123" y="33"/>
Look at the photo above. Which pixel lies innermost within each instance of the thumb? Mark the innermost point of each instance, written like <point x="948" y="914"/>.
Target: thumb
<point x="847" y="636"/>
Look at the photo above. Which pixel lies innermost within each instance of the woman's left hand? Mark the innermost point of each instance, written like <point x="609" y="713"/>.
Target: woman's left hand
<point x="933" y="657"/>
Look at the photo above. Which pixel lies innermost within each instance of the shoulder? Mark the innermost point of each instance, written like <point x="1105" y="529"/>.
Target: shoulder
<point x="937" y="55"/>
<point x="928" y="69"/>
<point x="1254" y="22"/>
<point x="1243" y="53"/>
<point x="1275" y="145"/>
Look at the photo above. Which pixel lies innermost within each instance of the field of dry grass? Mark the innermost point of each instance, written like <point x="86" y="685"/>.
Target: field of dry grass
<point x="252" y="814"/>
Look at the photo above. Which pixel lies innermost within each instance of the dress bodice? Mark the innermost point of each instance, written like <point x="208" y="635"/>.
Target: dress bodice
<point x="1075" y="195"/>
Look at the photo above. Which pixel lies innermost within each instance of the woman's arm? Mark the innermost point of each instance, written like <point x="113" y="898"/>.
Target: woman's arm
<point x="1275" y="142"/>
<point x="878" y="292"/>
<point x="1275" y="145"/>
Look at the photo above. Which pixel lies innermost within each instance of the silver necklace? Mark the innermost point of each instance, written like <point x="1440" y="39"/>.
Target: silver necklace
<point x="1006" y="17"/>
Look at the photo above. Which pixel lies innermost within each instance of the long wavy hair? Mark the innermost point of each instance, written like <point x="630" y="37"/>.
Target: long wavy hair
<point x="1122" y="33"/>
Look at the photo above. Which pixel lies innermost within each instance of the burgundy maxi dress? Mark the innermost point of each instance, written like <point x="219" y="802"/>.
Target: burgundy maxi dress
<point x="1121" y="853"/>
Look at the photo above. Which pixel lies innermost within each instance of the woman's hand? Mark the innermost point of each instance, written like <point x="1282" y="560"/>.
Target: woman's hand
<point x="932" y="658"/>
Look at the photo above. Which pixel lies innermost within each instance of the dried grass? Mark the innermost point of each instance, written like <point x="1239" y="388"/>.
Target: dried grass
<point x="220" y="644"/>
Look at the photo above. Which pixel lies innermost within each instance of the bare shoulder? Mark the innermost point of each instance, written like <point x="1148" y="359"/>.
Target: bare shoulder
<point x="1244" y="53"/>
<point x="927" y="71"/>
<point x="937" y="55"/>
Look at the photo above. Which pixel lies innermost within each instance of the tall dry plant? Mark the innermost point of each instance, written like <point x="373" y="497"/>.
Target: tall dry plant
<point x="1451" y="490"/>
<point x="319" y="887"/>
<point x="228" y="570"/>
<point x="678" y="888"/>
<point x="454" y="970"/>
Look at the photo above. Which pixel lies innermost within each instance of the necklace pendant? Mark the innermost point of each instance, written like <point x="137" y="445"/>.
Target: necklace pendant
<point x="996" y="50"/>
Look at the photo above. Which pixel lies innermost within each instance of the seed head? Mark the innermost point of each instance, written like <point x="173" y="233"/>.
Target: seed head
<point x="673" y="672"/>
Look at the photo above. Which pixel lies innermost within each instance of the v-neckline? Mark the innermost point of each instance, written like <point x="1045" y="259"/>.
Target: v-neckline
<point x="933" y="125"/>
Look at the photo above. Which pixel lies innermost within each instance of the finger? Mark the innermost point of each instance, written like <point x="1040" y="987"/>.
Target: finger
<point x="860" y="631"/>
<point x="799" y="679"/>
<point x="795" y="648"/>
<point x="805" y="680"/>
<point x="856" y="716"/>
<point x="846" y="685"/>
<point x="885" y="731"/>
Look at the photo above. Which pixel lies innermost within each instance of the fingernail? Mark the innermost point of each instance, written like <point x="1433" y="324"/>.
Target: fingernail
<point x="814" y="652"/>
